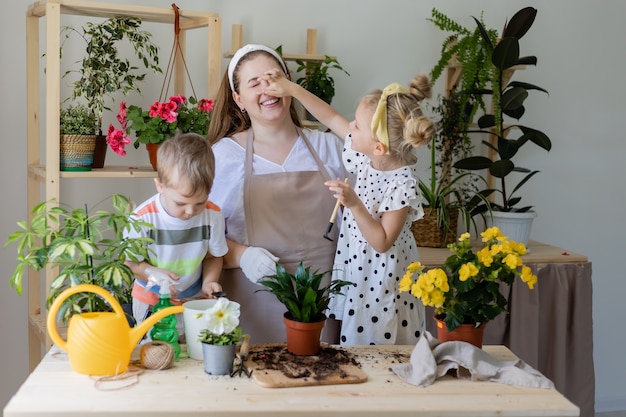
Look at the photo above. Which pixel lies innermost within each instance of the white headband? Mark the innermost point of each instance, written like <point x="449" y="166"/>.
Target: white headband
<point x="243" y="51"/>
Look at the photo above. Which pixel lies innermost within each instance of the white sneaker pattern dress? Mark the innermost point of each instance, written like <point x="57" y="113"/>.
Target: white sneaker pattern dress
<point x="372" y="312"/>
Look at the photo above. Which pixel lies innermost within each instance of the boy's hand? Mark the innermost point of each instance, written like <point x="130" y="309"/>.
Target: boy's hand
<point x="208" y="288"/>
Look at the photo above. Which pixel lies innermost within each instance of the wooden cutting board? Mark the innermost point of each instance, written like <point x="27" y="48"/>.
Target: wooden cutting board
<point x="274" y="367"/>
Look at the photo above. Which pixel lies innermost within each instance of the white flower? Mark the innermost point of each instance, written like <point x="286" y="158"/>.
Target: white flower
<point x="223" y="317"/>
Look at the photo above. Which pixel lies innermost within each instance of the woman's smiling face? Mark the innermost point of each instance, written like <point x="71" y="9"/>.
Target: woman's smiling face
<point x="259" y="106"/>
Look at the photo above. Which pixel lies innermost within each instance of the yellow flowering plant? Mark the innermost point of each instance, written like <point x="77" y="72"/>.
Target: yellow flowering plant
<point x="467" y="288"/>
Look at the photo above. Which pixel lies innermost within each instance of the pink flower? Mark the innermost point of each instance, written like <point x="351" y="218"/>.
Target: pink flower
<point x="206" y="105"/>
<point x="178" y="100"/>
<point x="155" y="109"/>
<point x="168" y="111"/>
<point x="121" y="115"/>
<point x="117" y="140"/>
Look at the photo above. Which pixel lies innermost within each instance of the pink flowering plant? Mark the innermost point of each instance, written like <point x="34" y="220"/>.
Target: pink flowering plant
<point x="162" y="121"/>
<point x="466" y="290"/>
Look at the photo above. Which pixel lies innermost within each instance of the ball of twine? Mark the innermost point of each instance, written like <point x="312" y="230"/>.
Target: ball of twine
<point x="157" y="355"/>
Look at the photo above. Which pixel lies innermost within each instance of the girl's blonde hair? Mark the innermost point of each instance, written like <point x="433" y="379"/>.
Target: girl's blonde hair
<point x="190" y="156"/>
<point x="406" y="124"/>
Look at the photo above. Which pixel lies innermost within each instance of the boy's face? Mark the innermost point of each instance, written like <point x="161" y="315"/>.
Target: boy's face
<point x="177" y="203"/>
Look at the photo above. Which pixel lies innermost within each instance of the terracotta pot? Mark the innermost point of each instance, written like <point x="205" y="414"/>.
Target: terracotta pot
<point x="303" y="339"/>
<point x="152" y="149"/>
<point x="464" y="333"/>
<point x="218" y="360"/>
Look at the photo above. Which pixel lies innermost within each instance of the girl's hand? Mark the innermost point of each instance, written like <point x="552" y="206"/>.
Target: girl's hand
<point x="343" y="192"/>
<point x="210" y="287"/>
<point x="277" y="84"/>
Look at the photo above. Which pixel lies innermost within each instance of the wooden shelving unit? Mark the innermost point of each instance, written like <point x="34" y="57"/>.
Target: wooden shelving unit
<point x="44" y="172"/>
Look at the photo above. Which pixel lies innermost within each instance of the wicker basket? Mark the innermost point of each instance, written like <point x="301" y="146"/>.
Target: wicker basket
<point x="428" y="233"/>
<point x="77" y="152"/>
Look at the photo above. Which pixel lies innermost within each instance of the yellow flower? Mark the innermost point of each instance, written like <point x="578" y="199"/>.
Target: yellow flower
<point x="464" y="237"/>
<point x="441" y="279"/>
<point x="467" y="271"/>
<point x="491" y="233"/>
<point x="528" y="277"/>
<point x="414" y="267"/>
<point x="484" y="256"/>
<point x="512" y="261"/>
<point x="406" y="281"/>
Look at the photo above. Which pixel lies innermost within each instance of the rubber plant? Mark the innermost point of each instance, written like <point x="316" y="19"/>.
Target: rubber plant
<point x="508" y="98"/>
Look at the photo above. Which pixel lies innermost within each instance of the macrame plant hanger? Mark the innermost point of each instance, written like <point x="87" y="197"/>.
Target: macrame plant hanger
<point x="177" y="50"/>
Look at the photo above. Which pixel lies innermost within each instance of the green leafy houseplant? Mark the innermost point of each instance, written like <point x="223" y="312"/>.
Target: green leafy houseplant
<point x="222" y="324"/>
<point x="466" y="290"/>
<point x="87" y="247"/>
<point x="448" y="193"/>
<point x="302" y="293"/>
<point x="78" y="120"/>
<point x="316" y="78"/>
<point x="102" y="71"/>
<point x="508" y="99"/>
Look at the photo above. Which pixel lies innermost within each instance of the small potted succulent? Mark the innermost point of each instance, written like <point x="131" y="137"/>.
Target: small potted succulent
<point x="306" y="297"/>
<point x="221" y="336"/>
<point x="87" y="247"/>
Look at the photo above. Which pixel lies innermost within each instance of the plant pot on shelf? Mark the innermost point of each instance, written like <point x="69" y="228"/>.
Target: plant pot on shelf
<point x="100" y="152"/>
<point x="152" y="149"/>
<point x="464" y="333"/>
<point x="76" y="152"/>
<point x="516" y="226"/>
<point x="303" y="339"/>
<point x="429" y="234"/>
<point x="218" y="360"/>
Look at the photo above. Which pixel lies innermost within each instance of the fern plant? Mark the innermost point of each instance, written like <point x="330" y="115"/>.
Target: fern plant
<point x="302" y="293"/>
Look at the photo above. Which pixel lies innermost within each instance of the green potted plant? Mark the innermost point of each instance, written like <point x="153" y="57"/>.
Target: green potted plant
<point x="87" y="247"/>
<point x="102" y="71"/>
<point x="465" y="291"/>
<point x="306" y="297"/>
<point x="449" y="193"/>
<point x="78" y="130"/>
<point x="220" y="336"/>
<point x="508" y="97"/>
<point x="316" y="78"/>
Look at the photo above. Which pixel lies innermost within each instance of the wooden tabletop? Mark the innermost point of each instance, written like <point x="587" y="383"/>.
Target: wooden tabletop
<point x="538" y="253"/>
<point x="53" y="389"/>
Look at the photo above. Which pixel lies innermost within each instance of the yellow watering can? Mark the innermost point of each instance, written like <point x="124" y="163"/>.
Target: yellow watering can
<point x="100" y="343"/>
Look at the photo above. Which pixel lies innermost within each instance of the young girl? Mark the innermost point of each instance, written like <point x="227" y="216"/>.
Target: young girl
<point x="375" y="241"/>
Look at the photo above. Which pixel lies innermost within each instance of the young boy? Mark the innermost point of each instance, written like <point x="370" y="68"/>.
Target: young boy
<point x="189" y="236"/>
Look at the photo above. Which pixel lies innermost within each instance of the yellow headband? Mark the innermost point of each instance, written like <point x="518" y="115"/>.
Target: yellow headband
<point x="379" y="120"/>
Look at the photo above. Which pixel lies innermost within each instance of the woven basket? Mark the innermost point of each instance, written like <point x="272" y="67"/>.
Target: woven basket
<point x="428" y="233"/>
<point x="77" y="152"/>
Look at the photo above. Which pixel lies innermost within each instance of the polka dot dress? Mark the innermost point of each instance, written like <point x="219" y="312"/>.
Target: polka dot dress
<point x="373" y="312"/>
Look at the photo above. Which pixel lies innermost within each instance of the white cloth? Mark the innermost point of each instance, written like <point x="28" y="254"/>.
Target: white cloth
<point x="227" y="191"/>
<point x="432" y="359"/>
<point x="373" y="312"/>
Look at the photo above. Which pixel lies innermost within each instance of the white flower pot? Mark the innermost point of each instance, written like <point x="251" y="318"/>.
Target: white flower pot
<point x="193" y="325"/>
<point x="515" y="226"/>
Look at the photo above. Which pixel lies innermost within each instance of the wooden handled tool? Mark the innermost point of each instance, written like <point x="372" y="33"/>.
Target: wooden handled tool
<point x="333" y="217"/>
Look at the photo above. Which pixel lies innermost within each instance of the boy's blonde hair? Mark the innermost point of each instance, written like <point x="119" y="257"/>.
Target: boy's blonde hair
<point x="407" y="126"/>
<point x="190" y="156"/>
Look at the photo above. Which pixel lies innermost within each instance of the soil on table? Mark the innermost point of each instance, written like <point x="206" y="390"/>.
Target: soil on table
<point x="326" y="363"/>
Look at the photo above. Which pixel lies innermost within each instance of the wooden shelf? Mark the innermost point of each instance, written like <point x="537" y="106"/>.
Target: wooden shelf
<point x="43" y="137"/>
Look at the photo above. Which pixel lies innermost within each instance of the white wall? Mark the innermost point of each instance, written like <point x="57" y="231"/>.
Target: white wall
<point x="579" y="193"/>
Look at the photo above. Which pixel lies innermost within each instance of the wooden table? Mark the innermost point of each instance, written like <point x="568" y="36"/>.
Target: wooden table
<point x="54" y="390"/>
<point x="550" y="327"/>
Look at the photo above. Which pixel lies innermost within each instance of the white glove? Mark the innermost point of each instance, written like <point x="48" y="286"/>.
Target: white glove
<point x="257" y="263"/>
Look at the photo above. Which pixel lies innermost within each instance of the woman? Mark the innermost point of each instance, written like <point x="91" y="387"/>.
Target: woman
<point x="269" y="182"/>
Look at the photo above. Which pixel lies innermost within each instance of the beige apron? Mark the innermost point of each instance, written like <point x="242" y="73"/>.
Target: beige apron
<point x="286" y="213"/>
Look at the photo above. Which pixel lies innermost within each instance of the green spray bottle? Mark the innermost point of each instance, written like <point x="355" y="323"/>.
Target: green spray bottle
<point x="165" y="329"/>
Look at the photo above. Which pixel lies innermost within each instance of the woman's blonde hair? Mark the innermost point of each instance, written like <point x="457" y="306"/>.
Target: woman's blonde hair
<point x="406" y="124"/>
<point x="189" y="155"/>
<point x="228" y="118"/>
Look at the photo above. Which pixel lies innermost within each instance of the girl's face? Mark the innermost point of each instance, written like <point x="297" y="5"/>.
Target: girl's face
<point x="259" y="106"/>
<point x="361" y="130"/>
<point x="177" y="203"/>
